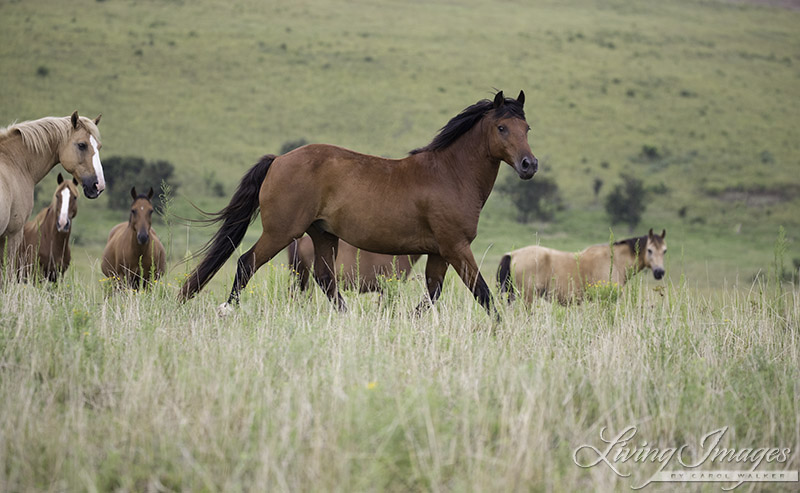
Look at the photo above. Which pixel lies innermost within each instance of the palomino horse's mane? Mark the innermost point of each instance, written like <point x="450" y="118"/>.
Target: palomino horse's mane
<point x="638" y="244"/>
<point x="37" y="135"/>
<point x="464" y="121"/>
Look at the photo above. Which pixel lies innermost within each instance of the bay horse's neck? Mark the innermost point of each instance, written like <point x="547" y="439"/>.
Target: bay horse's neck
<point x="30" y="163"/>
<point x="49" y="236"/>
<point x="471" y="165"/>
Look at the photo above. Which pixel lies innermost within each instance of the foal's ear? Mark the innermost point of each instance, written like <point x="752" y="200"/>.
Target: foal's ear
<point x="74" y="119"/>
<point x="663" y="233"/>
<point x="150" y="194"/>
<point x="97" y="120"/>
<point x="521" y="98"/>
<point x="60" y="179"/>
<point x="499" y="100"/>
<point x="650" y="234"/>
<point x="133" y="193"/>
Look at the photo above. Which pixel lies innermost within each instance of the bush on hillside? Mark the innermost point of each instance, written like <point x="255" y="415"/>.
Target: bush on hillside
<point x="626" y="202"/>
<point x="122" y="173"/>
<point x="539" y="198"/>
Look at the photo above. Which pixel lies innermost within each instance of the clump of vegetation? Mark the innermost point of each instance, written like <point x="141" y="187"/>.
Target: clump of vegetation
<point x="534" y="199"/>
<point x="122" y="173"/>
<point x="42" y="71"/>
<point x="291" y="145"/>
<point x="626" y="202"/>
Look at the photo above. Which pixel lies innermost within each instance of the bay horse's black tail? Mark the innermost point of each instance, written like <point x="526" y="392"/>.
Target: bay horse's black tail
<point x="235" y="218"/>
<point x="504" y="278"/>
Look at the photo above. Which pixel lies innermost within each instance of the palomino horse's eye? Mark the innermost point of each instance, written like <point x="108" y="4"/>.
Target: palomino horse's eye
<point x="82" y="146"/>
<point x="650" y="251"/>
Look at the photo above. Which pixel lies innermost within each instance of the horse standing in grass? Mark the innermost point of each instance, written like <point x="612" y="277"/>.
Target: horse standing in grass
<point x="28" y="151"/>
<point x="426" y="203"/>
<point x="357" y="269"/>
<point x="45" y="239"/>
<point x="561" y="275"/>
<point x="133" y="253"/>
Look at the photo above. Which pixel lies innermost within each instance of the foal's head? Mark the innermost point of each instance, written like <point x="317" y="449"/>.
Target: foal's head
<point x="79" y="154"/>
<point x="65" y="203"/>
<point x="141" y="215"/>
<point x="508" y="135"/>
<point x="654" y="253"/>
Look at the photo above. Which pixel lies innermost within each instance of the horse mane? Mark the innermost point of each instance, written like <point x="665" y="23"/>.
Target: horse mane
<point x="637" y="245"/>
<point x="37" y="135"/>
<point x="464" y="121"/>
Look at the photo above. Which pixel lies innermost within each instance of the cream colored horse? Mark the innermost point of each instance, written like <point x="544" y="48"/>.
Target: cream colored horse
<point x="561" y="275"/>
<point x="28" y="151"/>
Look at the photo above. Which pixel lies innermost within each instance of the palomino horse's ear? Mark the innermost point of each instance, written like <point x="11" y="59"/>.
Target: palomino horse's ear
<point x="75" y="181"/>
<point x="133" y="193"/>
<point x="521" y="97"/>
<point x="499" y="100"/>
<point x="60" y="179"/>
<point x="650" y="233"/>
<point x="74" y="119"/>
<point x="97" y="120"/>
<point x="150" y="194"/>
<point x="663" y="233"/>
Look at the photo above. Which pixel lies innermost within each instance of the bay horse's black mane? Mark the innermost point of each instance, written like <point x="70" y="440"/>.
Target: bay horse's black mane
<point x="464" y="121"/>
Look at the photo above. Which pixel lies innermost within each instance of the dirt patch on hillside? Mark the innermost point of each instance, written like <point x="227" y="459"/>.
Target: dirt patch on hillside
<point x="760" y="196"/>
<point x="787" y="4"/>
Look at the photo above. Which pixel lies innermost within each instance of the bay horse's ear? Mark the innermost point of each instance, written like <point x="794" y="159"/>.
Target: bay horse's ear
<point x="97" y="120"/>
<point x="150" y="194"/>
<point x="650" y="234"/>
<point x="521" y="98"/>
<point x="60" y="179"/>
<point x="75" y="181"/>
<point x="74" y="119"/>
<point x="133" y="193"/>
<point x="499" y="100"/>
<point x="663" y="233"/>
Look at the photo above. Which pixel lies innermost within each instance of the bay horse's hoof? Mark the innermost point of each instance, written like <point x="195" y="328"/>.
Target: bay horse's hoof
<point x="224" y="310"/>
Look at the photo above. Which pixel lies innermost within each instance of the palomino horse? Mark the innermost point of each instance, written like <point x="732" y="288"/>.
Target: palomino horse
<point x="45" y="239"/>
<point x="29" y="150"/>
<point x="426" y="203"/>
<point x="134" y="253"/>
<point x="358" y="269"/>
<point x="564" y="275"/>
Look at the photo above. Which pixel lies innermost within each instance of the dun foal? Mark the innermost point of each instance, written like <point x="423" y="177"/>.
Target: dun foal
<point x="357" y="269"/>
<point x="561" y="275"/>
<point x="134" y="254"/>
<point x="45" y="239"/>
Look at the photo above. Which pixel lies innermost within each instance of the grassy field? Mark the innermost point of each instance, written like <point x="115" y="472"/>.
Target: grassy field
<point x="133" y="392"/>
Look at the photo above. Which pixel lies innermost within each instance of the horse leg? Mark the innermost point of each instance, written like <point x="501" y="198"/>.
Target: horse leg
<point x="435" y="270"/>
<point x="264" y="249"/>
<point x="326" y="247"/>
<point x="299" y="268"/>
<point x="463" y="262"/>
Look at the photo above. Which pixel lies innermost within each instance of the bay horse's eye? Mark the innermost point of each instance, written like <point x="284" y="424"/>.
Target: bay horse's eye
<point x="82" y="146"/>
<point x="501" y="128"/>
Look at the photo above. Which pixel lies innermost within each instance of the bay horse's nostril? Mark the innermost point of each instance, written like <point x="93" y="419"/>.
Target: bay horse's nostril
<point x="535" y="164"/>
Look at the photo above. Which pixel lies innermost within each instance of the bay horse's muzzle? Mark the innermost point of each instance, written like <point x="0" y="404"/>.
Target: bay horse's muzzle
<point x="658" y="273"/>
<point x="65" y="227"/>
<point x="527" y="167"/>
<point x="142" y="237"/>
<point x="90" y="188"/>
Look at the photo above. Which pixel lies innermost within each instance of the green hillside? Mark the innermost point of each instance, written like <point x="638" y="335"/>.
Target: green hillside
<point x="701" y="100"/>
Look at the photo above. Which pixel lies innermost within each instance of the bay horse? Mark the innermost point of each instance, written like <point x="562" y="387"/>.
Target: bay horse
<point x="426" y="203"/>
<point x="357" y="269"/>
<point x="45" y="239"/>
<point x="133" y="253"/>
<point x="561" y="275"/>
<point x="28" y="151"/>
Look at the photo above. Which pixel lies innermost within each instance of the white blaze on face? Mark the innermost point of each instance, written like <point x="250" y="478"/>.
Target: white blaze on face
<point x="98" y="168"/>
<point x="63" y="213"/>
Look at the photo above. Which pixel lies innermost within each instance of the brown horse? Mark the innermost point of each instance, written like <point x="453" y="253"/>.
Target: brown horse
<point x="357" y="269"/>
<point x="426" y="203"/>
<point x="564" y="275"/>
<point x="28" y="151"/>
<point x="45" y="239"/>
<point x="134" y="253"/>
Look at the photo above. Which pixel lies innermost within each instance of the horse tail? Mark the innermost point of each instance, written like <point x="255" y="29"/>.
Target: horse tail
<point x="235" y="217"/>
<point x="504" y="277"/>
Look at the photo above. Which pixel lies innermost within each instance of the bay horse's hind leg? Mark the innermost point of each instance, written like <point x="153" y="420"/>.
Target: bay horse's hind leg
<point x="265" y="248"/>
<point x="326" y="246"/>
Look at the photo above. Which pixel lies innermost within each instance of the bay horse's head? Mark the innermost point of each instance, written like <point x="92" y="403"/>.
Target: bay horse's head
<point x="65" y="203"/>
<point x="79" y="154"/>
<point x="508" y="135"/>
<point x="141" y="215"/>
<point x="654" y="253"/>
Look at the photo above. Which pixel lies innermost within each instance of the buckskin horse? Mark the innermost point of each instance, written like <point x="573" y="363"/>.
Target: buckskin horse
<point x="426" y="203"/>
<point x="28" y="151"/>
<point x="546" y="272"/>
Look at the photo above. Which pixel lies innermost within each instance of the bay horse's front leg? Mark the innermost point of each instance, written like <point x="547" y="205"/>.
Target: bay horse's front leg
<point x="435" y="270"/>
<point x="463" y="262"/>
<point x="326" y="247"/>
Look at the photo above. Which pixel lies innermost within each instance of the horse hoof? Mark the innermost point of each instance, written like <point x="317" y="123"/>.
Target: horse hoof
<point x="224" y="310"/>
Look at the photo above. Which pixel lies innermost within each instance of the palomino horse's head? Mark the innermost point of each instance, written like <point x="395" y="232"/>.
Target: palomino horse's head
<point x="65" y="203"/>
<point x="80" y="155"/>
<point x="654" y="253"/>
<point x="141" y="215"/>
<point x="508" y="135"/>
